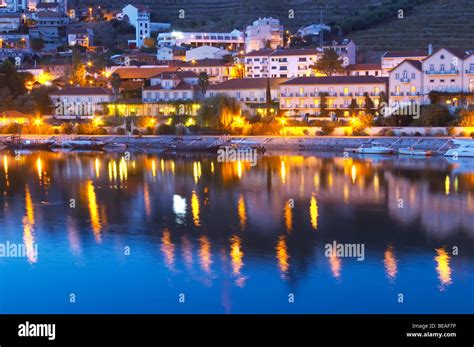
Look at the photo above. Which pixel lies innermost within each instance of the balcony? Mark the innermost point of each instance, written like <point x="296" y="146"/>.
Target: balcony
<point x="396" y="94"/>
<point x="470" y="71"/>
<point x="359" y="94"/>
<point x="332" y="94"/>
<point x="445" y="72"/>
<point x="301" y="95"/>
<point x="405" y="80"/>
<point x="286" y="95"/>
<point x="345" y="94"/>
<point x="413" y="94"/>
<point x="374" y="94"/>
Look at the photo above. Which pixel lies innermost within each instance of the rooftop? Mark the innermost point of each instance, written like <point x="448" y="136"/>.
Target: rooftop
<point x="82" y="91"/>
<point x="248" y="83"/>
<point x="336" y="80"/>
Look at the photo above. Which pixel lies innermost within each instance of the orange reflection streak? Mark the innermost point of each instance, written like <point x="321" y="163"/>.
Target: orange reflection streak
<point x="28" y="229"/>
<point x="195" y="208"/>
<point x="162" y="165"/>
<point x="197" y="171"/>
<point x="336" y="265"/>
<point x="93" y="211"/>
<point x="97" y="167"/>
<point x="39" y="167"/>
<point x="5" y="168"/>
<point x="376" y="183"/>
<point x="147" y="200"/>
<point x="236" y="256"/>
<point x="283" y="172"/>
<point x="442" y="267"/>
<point x="390" y="263"/>
<point x="353" y="173"/>
<point x="242" y="212"/>
<point x="167" y="247"/>
<point x="205" y="254"/>
<point x="313" y="212"/>
<point x="187" y="250"/>
<point x="447" y="185"/>
<point x="153" y="167"/>
<point x="282" y="256"/>
<point x="212" y="168"/>
<point x="123" y="170"/>
<point x="239" y="169"/>
<point x="288" y="212"/>
<point x="172" y="167"/>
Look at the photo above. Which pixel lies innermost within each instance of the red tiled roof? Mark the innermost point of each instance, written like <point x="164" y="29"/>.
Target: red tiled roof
<point x="401" y="54"/>
<point x="415" y="63"/>
<point x="288" y="52"/>
<point x="140" y="72"/>
<point x="82" y="91"/>
<point x="180" y="86"/>
<point x="261" y="53"/>
<point x="364" y="67"/>
<point x="248" y="83"/>
<point x="206" y="63"/>
<point x="176" y="74"/>
<point x="337" y="80"/>
<point x="13" y="114"/>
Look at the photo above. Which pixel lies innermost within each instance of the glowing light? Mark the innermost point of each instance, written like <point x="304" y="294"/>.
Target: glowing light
<point x="239" y="169"/>
<point x="190" y="122"/>
<point x="443" y="268"/>
<point x="147" y="200"/>
<point x="5" y="164"/>
<point x="153" y="167"/>
<point x="282" y="256"/>
<point x="313" y="211"/>
<point x="93" y="210"/>
<point x="197" y="171"/>
<point x="195" y="208"/>
<point x="37" y="122"/>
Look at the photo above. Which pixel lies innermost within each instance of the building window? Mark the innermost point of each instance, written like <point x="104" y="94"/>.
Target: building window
<point x="442" y="67"/>
<point x="431" y="67"/>
<point x="397" y="76"/>
<point x="405" y="74"/>
<point x="413" y="76"/>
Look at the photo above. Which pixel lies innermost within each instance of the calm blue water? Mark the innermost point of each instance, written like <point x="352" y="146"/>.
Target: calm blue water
<point x="233" y="238"/>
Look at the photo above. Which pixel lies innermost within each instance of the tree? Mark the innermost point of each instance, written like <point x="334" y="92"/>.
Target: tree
<point x="322" y="104"/>
<point x="368" y="104"/>
<point x="78" y="72"/>
<point x="329" y="63"/>
<point x="203" y="82"/>
<point x="219" y="112"/>
<point x="37" y="44"/>
<point x="41" y="97"/>
<point x="24" y="103"/>
<point x="13" y="80"/>
<point x="6" y="98"/>
<point x="115" y="82"/>
<point x="268" y="97"/>
<point x="434" y="115"/>
<point x="353" y="107"/>
<point x="466" y="118"/>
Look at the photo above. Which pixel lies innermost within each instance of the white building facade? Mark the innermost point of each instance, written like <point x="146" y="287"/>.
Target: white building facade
<point x="264" y="33"/>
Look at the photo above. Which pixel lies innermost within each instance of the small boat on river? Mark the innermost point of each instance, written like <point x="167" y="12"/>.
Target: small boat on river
<point x="17" y="143"/>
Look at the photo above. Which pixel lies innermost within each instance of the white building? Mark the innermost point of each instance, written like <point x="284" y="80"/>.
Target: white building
<point x="406" y="83"/>
<point x="80" y="37"/>
<point x="171" y="86"/>
<point x="248" y="90"/>
<point x="364" y="70"/>
<point x="448" y="72"/>
<point x="301" y="96"/>
<point x="206" y="52"/>
<point x="232" y="41"/>
<point x="139" y="17"/>
<point x="13" y="5"/>
<point x="345" y="48"/>
<point x="392" y="59"/>
<point x="59" y="6"/>
<point x="217" y="70"/>
<point x="9" y="22"/>
<point x="171" y="53"/>
<point x="313" y="30"/>
<point x="80" y="102"/>
<point x="287" y="63"/>
<point x="264" y="33"/>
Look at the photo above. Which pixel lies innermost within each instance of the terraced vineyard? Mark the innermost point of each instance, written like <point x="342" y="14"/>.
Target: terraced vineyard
<point x="440" y="22"/>
<point x="227" y="15"/>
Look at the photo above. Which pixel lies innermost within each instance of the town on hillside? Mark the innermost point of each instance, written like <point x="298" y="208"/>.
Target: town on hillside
<point x="95" y="71"/>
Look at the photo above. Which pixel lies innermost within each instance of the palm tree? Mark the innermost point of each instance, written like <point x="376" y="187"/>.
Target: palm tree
<point x="203" y="83"/>
<point x="115" y="82"/>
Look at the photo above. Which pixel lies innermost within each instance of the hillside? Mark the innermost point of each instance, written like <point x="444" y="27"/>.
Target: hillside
<point x="226" y="15"/>
<point x="440" y="22"/>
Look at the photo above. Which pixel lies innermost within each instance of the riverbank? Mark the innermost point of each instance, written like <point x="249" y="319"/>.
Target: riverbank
<point x="293" y="143"/>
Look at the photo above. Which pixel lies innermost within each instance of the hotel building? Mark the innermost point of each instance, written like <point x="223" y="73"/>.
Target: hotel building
<point x="301" y="96"/>
<point x="264" y="33"/>
<point x="233" y="41"/>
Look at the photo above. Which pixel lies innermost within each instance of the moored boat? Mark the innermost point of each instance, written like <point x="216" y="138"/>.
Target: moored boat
<point x="82" y="144"/>
<point x="415" y="152"/>
<point x="17" y="143"/>
<point x="373" y="148"/>
<point x="462" y="148"/>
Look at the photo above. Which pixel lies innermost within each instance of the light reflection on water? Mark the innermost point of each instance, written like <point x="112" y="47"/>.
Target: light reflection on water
<point x="251" y="235"/>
